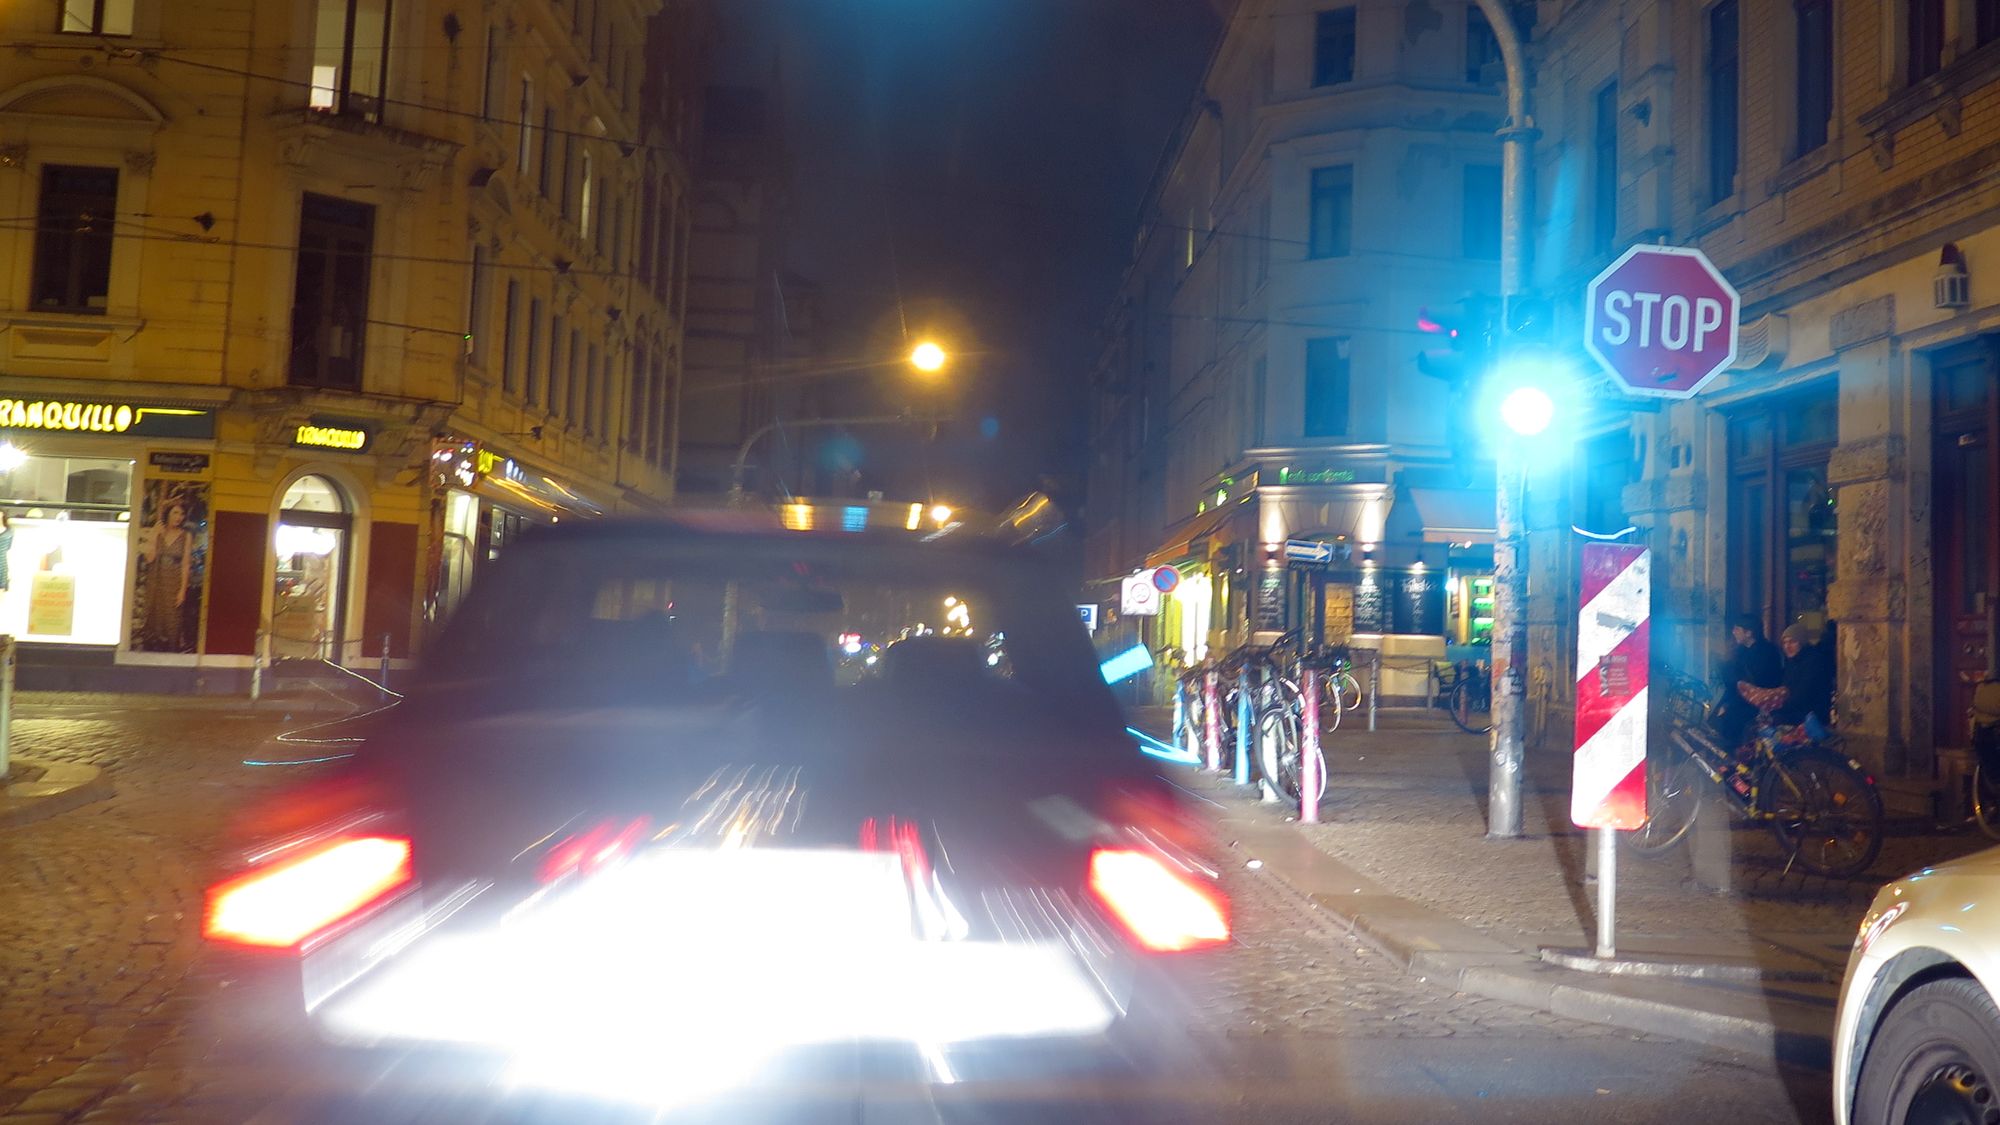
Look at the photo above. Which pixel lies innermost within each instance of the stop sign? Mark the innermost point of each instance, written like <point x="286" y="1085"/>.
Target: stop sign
<point x="1661" y="320"/>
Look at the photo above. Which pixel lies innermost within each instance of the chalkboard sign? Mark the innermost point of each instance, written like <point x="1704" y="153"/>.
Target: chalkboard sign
<point x="1270" y="605"/>
<point x="1369" y="615"/>
<point x="1419" y="603"/>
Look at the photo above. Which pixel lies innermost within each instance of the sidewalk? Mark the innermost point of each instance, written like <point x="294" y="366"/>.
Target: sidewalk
<point x="1401" y="858"/>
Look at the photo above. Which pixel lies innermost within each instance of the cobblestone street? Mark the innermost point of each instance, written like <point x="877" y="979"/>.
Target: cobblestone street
<point x="98" y="939"/>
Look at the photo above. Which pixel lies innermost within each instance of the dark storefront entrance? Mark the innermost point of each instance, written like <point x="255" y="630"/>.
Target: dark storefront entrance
<point x="1782" y="520"/>
<point x="1966" y="542"/>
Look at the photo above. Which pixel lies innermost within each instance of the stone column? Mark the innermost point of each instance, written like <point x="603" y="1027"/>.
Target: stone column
<point x="1869" y="473"/>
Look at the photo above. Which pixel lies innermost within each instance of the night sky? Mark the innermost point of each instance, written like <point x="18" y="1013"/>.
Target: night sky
<point x="986" y="160"/>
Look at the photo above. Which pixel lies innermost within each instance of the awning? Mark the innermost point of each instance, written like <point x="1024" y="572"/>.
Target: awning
<point x="1454" y="515"/>
<point x="1191" y="533"/>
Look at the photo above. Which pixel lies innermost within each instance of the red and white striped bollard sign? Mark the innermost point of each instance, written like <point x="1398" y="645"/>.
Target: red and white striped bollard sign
<point x="1608" y="788"/>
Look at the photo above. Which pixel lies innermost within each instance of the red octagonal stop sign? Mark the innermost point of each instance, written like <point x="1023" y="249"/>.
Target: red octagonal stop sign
<point x="1661" y="320"/>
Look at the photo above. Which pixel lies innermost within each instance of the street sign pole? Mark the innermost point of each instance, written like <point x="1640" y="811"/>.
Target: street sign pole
<point x="1510" y="588"/>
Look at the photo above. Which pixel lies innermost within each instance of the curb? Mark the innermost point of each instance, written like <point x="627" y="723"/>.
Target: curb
<point x="63" y="787"/>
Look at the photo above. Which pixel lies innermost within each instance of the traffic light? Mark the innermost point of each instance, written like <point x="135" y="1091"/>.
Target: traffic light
<point x="1530" y="319"/>
<point x="1462" y="358"/>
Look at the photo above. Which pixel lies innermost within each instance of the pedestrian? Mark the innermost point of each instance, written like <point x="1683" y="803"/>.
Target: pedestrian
<point x="1754" y="662"/>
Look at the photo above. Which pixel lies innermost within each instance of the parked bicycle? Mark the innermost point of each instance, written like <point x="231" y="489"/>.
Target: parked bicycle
<point x="1277" y="709"/>
<point x="1821" y="805"/>
<point x="1465" y="690"/>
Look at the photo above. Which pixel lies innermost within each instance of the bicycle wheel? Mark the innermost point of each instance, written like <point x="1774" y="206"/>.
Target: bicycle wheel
<point x="1986" y="800"/>
<point x="1673" y="800"/>
<point x="1824" y="810"/>
<point x="1470" y="708"/>
<point x="1331" y="703"/>
<point x="1278" y="749"/>
<point x="1349" y="689"/>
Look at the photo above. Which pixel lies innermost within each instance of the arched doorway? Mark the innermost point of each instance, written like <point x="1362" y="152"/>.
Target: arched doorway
<point x="309" y="601"/>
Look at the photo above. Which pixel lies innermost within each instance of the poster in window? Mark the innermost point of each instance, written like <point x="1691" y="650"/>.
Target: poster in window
<point x="1369" y="611"/>
<point x="51" y="605"/>
<point x="1270" y="605"/>
<point x="1419" y="604"/>
<point x="1339" y="613"/>
<point x="173" y="552"/>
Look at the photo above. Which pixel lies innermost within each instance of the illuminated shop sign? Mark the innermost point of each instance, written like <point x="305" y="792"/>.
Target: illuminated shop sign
<point x="322" y="434"/>
<point x="73" y="417"/>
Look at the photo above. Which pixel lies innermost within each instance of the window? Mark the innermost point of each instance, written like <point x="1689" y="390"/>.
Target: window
<point x="548" y="163"/>
<point x="1482" y="212"/>
<point x="475" y="307"/>
<point x="73" y="232"/>
<point x="637" y="390"/>
<point x="1723" y="55"/>
<point x="1482" y="47"/>
<point x="1604" y="204"/>
<point x="1815" y="73"/>
<point x="531" y="355"/>
<point x="568" y="182"/>
<point x="1260" y="267"/>
<point x="330" y="292"/>
<point x="350" y="60"/>
<point x="1332" y="219"/>
<point x="97" y="17"/>
<point x="607" y="206"/>
<point x="1985" y="22"/>
<point x="1326" y="386"/>
<point x="487" y="72"/>
<point x="1925" y="30"/>
<point x="525" y="149"/>
<point x="618" y="238"/>
<point x="590" y="419"/>
<point x="510" y="318"/>
<point x="1333" y="47"/>
<point x="1782" y="520"/>
<point x="577" y="374"/>
<point x="557" y="371"/>
<point x="583" y="201"/>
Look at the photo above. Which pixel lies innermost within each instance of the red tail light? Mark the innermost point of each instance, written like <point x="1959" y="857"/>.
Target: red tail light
<point x="284" y="904"/>
<point x="586" y="852"/>
<point x="1164" y="910"/>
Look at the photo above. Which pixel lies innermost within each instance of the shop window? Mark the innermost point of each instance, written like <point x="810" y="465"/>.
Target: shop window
<point x="350" y="59"/>
<point x="330" y="292"/>
<point x="1783" y="521"/>
<point x="66" y="565"/>
<point x="73" y="233"/>
<point x="308" y="610"/>
<point x="461" y="528"/>
<point x="97" y="17"/>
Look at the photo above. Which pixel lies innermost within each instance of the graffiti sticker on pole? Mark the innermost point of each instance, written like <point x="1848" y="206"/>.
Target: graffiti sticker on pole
<point x="1608" y="789"/>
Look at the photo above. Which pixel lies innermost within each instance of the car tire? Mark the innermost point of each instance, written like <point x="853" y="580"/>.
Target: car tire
<point x="1934" y="1057"/>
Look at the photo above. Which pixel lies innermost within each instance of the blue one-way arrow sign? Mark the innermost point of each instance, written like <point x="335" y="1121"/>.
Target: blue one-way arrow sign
<point x="1307" y="551"/>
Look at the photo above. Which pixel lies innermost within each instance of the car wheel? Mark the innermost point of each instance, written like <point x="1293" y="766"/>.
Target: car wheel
<point x="1934" y="1058"/>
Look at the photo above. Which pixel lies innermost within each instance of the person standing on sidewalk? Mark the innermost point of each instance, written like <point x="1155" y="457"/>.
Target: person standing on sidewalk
<point x="1754" y="663"/>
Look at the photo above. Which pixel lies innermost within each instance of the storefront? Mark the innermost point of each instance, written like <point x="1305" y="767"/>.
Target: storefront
<point x="105" y="540"/>
<point x="483" y="501"/>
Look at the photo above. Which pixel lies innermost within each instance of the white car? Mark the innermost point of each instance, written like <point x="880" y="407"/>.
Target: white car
<point x="1918" y="1034"/>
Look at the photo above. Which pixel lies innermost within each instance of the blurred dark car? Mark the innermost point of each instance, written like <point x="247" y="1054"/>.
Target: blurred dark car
<point x="646" y="833"/>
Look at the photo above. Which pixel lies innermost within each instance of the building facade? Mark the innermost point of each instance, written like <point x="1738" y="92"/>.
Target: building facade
<point x="1336" y="176"/>
<point x="1835" y="159"/>
<point x="309" y="307"/>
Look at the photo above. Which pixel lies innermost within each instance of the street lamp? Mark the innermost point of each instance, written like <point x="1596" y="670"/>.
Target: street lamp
<point x="928" y="357"/>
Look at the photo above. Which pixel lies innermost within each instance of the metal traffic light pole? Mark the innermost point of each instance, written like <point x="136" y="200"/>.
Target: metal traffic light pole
<point x="1510" y="575"/>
